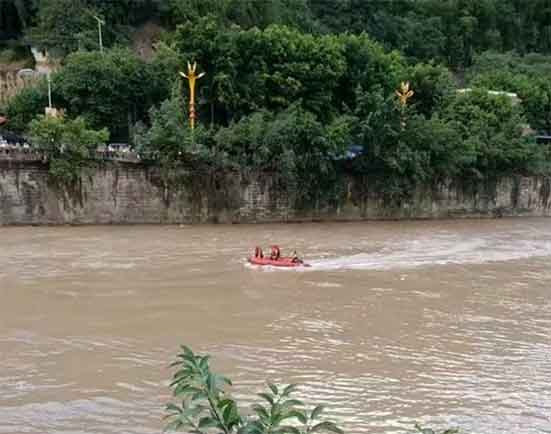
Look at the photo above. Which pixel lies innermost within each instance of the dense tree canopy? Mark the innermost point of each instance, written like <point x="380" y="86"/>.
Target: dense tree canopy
<point x="290" y="85"/>
<point x="448" y="31"/>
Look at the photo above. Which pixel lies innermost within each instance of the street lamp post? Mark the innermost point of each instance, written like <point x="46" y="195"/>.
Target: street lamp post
<point x="100" y="22"/>
<point x="49" y="91"/>
<point x="192" y="77"/>
<point x="404" y="94"/>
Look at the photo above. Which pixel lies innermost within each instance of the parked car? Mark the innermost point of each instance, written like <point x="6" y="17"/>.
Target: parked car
<point x="13" y="140"/>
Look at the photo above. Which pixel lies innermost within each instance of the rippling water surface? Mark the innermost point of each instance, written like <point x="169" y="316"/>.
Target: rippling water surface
<point x="444" y="323"/>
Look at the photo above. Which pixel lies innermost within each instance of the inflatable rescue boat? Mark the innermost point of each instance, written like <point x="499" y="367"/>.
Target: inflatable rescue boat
<point x="275" y="259"/>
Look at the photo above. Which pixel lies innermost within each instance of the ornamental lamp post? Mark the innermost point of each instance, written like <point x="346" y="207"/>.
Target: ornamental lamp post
<point x="100" y="23"/>
<point x="192" y="77"/>
<point x="404" y="94"/>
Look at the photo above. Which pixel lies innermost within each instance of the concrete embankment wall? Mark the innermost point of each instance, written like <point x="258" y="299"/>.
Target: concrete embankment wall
<point x="119" y="192"/>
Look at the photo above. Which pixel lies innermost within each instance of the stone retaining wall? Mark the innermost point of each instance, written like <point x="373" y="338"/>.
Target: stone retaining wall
<point x="124" y="192"/>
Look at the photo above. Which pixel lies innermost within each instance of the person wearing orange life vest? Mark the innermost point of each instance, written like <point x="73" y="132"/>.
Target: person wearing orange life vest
<point x="275" y="254"/>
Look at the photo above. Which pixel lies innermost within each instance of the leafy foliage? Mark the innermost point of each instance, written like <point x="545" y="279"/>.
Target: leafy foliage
<point x="68" y="145"/>
<point x="202" y="405"/>
<point x="112" y="90"/>
<point x="244" y="13"/>
<point x="491" y="126"/>
<point x="170" y="139"/>
<point x="434" y="87"/>
<point x="62" y="25"/>
<point x="25" y="106"/>
<point x="290" y="85"/>
<point x="247" y="70"/>
<point x="451" y="31"/>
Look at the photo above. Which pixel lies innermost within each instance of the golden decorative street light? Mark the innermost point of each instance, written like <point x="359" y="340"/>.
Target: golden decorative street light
<point x="192" y="76"/>
<point x="404" y="93"/>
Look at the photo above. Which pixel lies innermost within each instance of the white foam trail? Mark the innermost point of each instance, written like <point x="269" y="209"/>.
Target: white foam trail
<point x="432" y="252"/>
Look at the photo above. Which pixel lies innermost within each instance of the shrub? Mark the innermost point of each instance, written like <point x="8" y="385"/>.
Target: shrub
<point x="68" y="144"/>
<point x="206" y="406"/>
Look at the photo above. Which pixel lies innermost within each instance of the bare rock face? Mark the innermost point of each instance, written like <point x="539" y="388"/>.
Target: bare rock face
<point x="129" y="193"/>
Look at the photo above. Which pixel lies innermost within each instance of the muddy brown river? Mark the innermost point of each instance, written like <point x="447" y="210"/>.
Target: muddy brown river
<point x="444" y="323"/>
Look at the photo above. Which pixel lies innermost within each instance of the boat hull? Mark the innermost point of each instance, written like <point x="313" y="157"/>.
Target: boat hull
<point x="281" y="262"/>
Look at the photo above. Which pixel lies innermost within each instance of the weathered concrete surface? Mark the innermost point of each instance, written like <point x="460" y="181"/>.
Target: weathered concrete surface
<point x="118" y="193"/>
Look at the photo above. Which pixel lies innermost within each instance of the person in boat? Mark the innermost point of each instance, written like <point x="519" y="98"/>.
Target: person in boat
<point x="275" y="254"/>
<point x="295" y="258"/>
<point x="258" y="253"/>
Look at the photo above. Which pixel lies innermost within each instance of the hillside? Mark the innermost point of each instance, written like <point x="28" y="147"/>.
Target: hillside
<point x="293" y="85"/>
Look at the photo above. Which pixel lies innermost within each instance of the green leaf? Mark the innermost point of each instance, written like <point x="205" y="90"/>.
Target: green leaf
<point x="288" y="390"/>
<point x="251" y="428"/>
<point x="204" y="362"/>
<point x="210" y="383"/>
<point x="224" y="402"/>
<point x="179" y="379"/>
<point x="199" y="395"/>
<point x="173" y="407"/>
<point x="192" y="412"/>
<point x="276" y="416"/>
<point x="174" y="425"/>
<point x="292" y="403"/>
<point x="182" y="373"/>
<point x="229" y="414"/>
<point x="225" y="380"/>
<point x="327" y="426"/>
<point x="187" y="351"/>
<point x="317" y="411"/>
<point x="267" y="397"/>
<point x="208" y="422"/>
<point x="273" y="388"/>
<point x="260" y="411"/>
<point x="181" y="389"/>
<point x="191" y="360"/>
<point x="298" y="415"/>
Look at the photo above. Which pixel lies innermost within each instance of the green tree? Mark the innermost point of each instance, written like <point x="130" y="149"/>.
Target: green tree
<point x="25" y="106"/>
<point x="170" y="138"/>
<point x="433" y="86"/>
<point x="248" y="70"/>
<point x="62" y="24"/>
<point x="244" y="13"/>
<point x="422" y="38"/>
<point x="536" y="101"/>
<point x="403" y="149"/>
<point x="112" y="90"/>
<point x="368" y="69"/>
<point x="292" y="143"/>
<point x="68" y="143"/>
<point x="122" y="13"/>
<point x="493" y="128"/>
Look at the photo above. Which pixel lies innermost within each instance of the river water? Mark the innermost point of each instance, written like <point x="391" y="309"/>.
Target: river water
<point x="444" y="323"/>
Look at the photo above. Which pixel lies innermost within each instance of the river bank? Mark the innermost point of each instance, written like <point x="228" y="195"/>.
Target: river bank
<point x="122" y="192"/>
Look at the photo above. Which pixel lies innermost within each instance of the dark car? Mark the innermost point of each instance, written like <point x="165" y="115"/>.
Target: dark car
<point x="12" y="138"/>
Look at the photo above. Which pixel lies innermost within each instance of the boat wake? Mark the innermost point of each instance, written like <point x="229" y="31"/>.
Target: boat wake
<point x="422" y="253"/>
